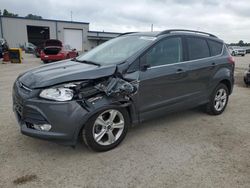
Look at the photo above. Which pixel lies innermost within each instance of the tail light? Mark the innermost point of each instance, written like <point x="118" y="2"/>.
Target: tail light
<point x="231" y="60"/>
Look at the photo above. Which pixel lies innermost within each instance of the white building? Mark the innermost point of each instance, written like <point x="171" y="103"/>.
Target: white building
<point x="19" y="30"/>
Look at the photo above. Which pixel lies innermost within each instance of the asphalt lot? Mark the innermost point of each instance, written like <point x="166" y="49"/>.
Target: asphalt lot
<point x="185" y="149"/>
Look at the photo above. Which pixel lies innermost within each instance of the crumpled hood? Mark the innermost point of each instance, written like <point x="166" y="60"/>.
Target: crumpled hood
<point x="64" y="71"/>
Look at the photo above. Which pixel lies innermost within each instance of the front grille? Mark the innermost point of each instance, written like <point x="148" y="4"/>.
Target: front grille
<point x="33" y="116"/>
<point x="24" y="112"/>
<point x="18" y="104"/>
<point x="18" y="108"/>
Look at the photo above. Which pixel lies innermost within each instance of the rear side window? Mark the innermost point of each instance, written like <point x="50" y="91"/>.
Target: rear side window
<point x="197" y="48"/>
<point x="215" y="47"/>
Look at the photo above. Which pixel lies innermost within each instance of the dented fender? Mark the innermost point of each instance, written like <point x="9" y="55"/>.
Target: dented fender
<point x="103" y="93"/>
<point x="103" y="103"/>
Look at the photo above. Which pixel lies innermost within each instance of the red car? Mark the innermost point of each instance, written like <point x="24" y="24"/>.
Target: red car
<point x="55" y="51"/>
<point x="38" y="49"/>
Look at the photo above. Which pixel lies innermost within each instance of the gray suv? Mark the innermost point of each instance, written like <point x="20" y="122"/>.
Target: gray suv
<point x="127" y="80"/>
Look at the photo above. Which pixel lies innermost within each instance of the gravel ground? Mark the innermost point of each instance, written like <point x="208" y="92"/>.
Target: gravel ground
<point x="185" y="149"/>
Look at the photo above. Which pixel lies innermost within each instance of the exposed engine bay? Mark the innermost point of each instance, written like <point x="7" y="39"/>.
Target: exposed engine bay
<point x="113" y="87"/>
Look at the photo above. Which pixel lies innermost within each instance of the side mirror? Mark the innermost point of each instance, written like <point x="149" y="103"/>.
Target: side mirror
<point x="145" y="67"/>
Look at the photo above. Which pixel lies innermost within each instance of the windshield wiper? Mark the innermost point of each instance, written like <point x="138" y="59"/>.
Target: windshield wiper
<point x="86" y="62"/>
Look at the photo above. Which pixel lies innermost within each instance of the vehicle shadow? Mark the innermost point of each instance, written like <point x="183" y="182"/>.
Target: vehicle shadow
<point x="169" y="119"/>
<point x="38" y="146"/>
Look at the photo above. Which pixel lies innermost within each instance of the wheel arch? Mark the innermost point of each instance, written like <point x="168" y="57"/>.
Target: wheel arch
<point x="228" y="84"/>
<point x="105" y="104"/>
<point x="224" y="76"/>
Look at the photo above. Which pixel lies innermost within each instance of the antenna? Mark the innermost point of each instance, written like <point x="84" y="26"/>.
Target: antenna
<point x="71" y="13"/>
<point x="152" y="27"/>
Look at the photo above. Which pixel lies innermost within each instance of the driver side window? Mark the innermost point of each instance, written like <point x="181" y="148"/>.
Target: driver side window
<point x="167" y="51"/>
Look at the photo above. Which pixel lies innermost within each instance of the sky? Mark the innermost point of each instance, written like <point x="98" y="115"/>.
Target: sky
<point x="229" y="20"/>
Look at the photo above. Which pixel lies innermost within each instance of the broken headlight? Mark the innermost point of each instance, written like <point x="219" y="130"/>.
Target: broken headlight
<point x="60" y="93"/>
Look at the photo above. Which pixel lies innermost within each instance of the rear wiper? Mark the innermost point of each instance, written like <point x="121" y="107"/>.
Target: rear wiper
<point x="86" y="62"/>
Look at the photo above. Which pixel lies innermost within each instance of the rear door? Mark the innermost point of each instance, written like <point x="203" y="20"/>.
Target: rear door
<point x="201" y="67"/>
<point x="162" y="78"/>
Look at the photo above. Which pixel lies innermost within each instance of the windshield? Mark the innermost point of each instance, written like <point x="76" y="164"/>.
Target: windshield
<point x="116" y="50"/>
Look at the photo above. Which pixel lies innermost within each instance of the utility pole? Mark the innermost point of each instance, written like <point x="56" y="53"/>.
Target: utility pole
<point x="71" y="15"/>
<point x="152" y="27"/>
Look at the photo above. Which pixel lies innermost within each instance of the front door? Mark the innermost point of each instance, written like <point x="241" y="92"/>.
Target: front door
<point x="163" y="83"/>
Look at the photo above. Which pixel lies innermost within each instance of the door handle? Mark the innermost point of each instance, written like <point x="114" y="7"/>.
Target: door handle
<point x="213" y="65"/>
<point x="179" y="74"/>
<point x="179" y="71"/>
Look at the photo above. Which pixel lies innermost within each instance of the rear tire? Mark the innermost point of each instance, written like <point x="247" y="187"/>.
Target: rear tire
<point x="106" y="129"/>
<point x="218" y="100"/>
<point x="45" y="62"/>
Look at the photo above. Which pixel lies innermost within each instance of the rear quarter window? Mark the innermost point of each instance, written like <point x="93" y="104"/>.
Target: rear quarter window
<point x="197" y="48"/>
<point x="215" y="47"/>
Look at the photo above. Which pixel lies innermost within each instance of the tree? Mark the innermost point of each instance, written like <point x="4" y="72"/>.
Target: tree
<point x="7" y="13"/>
<point x="0" y="13"/>
<point x="33" y="16"/>
<point x="241" y="43"/>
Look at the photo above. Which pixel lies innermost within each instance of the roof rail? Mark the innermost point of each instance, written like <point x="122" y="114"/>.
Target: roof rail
<point x="126" y="33"/>
<point x="185" y="30"/>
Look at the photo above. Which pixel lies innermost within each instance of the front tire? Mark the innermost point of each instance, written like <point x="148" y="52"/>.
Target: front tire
<point x="218" y="100"/>
<point x="106" y="129"/>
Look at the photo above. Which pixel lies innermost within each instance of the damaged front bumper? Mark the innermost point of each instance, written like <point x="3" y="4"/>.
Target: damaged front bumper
<point x="66" y="119"/>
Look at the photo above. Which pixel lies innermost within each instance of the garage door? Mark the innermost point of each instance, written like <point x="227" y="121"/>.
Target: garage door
<point x="37" y="35"/>
<point x="73" y="37"/>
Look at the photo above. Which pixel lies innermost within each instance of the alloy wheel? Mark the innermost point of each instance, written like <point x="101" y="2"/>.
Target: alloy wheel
<point x="220" y="99"/>
<point x="108" y="127"/>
